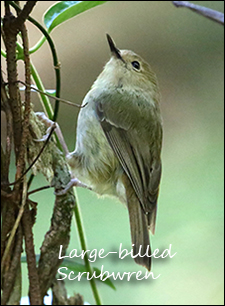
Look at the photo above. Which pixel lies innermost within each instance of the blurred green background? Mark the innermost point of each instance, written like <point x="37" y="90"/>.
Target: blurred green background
<point x="186" y="52"/>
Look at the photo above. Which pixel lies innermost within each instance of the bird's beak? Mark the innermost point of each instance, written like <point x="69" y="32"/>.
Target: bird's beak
<point x="115" y="51"/>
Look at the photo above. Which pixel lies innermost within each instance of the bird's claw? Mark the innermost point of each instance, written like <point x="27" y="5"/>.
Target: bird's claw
<point x="44" y="138"/>
<point x="74" y="182"/>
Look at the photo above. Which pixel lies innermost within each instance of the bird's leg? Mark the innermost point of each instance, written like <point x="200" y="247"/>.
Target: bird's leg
<point x="48" y="123"/>
<point x="74" y="182"/>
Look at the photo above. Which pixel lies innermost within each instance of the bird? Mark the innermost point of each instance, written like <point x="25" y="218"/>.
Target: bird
<point x="119" y="142"/>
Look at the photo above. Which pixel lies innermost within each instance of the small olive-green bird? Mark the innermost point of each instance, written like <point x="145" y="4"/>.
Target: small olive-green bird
<point x="119" y="139"/>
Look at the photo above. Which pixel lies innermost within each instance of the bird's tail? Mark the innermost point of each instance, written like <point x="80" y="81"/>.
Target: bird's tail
<point x="138" y="227"/>
<point x="139" y="233"/>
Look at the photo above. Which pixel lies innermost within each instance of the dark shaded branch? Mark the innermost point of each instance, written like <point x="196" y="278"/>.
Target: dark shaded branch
<point x="14" y="97"/>
<point x="207" y="12"/>
<point x="10" y="275"/>
<point x="14" y="200"/>
<point x="27" y="223"/>
<point x="23" y="14"/>
<point x="25" y="125"/>
<point x="27" y="110"/>
<point x="9" y="132"/>
<point x="7" y="9"/>
<point x="8" y="221"/>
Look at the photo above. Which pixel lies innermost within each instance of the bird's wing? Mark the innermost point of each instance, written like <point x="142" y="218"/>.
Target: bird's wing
<point x="134" y="132"/>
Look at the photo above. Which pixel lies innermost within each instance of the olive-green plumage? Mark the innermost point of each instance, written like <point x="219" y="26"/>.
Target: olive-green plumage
<point x="119" y="138"/>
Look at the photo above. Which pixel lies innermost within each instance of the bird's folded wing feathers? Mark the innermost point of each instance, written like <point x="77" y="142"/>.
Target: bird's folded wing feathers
<point x="135" y="157"/>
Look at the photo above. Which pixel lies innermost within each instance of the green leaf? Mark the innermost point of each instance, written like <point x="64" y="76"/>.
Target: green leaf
<point x="107" y="281"/>
<point x="64" y="10"/>
<point x="77" y="267"/>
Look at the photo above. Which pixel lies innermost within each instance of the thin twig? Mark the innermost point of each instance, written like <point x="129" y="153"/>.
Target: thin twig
<point x="205" y="11"/>
<point x="39" y="189"/>
<point x="52" y="97"/>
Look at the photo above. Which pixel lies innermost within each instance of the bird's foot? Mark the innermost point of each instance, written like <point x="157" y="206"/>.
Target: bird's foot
<point x="49" y="124"/>
<point x="74" y="182"/>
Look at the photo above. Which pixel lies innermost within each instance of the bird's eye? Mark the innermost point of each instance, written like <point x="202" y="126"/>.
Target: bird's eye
<point x="136" y="65"/>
